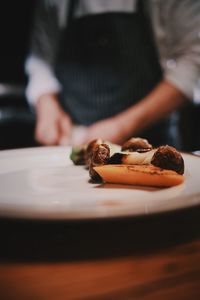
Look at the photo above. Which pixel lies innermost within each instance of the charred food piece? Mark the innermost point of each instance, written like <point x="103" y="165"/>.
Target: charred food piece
<point x="132" y="158"/>
<point x="90" y="148"/>
<point x="78" y="155"/>
<point x="167" y="157"/>
<point x="136" y="144"/>
<point x="100" y="156"/>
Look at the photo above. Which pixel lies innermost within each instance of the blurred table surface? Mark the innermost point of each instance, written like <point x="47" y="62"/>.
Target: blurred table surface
<point x="151" y="257"/>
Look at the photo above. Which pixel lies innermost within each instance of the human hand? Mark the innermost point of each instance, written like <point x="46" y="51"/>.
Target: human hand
<point x="111" y="129"/>
<point x="53" y="125"/>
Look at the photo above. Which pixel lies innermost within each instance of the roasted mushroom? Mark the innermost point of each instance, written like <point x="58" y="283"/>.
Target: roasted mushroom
<point x="90" y="148"/>
<point x="136" y="144"/>
<point x="167" y="157"/>
<point x="99" y="156"/>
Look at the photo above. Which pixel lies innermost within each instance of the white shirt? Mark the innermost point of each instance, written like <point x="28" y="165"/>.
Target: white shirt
<point x="41" y="76"/>
<point x="176" y="26"/>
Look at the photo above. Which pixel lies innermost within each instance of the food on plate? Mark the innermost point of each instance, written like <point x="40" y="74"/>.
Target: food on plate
<point x="90" y="150"/>
<point x="136" y="144"/>
<point x="80" y="155"/>
<point x="100" y="156"/>
<point x="165" y="157"/>
<point x="169" y="158"/>
<point x="77" y="154"/>
<point x="132" y="158"/>
<point x="143" y="175"/>
<point x="135" y="162"/>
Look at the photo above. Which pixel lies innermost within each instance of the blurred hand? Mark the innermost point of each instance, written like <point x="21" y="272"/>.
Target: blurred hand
<point x="53" y="125"/>
<point x="111" y="129"/>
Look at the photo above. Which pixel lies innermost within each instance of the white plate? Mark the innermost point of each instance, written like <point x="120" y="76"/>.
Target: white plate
<point x="42" y="183"/>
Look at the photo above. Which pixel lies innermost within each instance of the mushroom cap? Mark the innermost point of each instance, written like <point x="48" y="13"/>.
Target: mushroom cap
<point x="100" y="154"/>
<point x="89" y="150"/>
<point x="136" y="144"/>
<point x="167" y="157"/>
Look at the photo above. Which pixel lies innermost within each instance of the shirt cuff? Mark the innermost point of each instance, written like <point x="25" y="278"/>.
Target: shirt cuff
<point x="182" y="74"/>
<point x="41" y="80"/>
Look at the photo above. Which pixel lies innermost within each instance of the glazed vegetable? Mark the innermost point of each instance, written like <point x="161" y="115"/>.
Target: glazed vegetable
<point x="142" y="175"/>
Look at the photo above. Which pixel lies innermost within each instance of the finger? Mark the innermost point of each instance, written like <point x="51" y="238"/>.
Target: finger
<point x="64" y="140"/>
<point x="83" y="139"/>
<point x="65" y="130"/>
<point x="47" y="134"/>
<point x="65" y="125"/>
<point x="79" y="135"/>
<point x="93" y="132"/>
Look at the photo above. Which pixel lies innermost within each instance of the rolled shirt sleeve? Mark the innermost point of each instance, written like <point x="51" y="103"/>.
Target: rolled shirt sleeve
<point x="183" y="74"/>
<point x="177" y="31"/>
<point x="39" y="65"/>
<point x="41" y="79"/>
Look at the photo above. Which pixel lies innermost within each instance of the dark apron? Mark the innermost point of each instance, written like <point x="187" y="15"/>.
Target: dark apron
<point x="108" y="62"/>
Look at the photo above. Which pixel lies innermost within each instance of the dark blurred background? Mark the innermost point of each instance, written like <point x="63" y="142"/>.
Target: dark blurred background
<point x="16" y="119"/>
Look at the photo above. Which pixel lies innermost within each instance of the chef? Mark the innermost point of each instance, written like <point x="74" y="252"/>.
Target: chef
<point x="117" y="68"/>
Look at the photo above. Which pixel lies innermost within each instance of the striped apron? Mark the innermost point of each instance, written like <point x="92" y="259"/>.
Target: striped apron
<point x="106" y="63"/>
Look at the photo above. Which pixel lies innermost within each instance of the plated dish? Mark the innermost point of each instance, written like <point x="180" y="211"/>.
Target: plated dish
<point x="43" y="183"/>
<point x="135" y="162"/>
